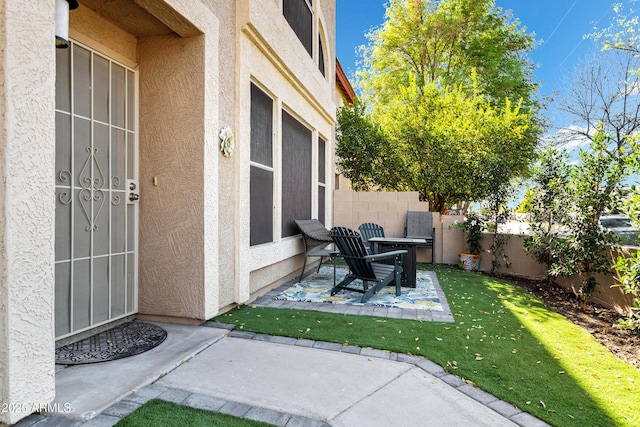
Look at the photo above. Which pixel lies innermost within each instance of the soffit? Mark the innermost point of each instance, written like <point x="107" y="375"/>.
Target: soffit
<point x="129" y="16"/>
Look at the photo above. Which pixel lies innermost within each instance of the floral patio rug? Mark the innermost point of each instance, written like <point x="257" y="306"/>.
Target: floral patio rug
<point x="316" y="287"/>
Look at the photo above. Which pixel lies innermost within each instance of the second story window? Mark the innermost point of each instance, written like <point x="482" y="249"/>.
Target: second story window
<point x="320" y="56"/>
<point x="299" y="15"/>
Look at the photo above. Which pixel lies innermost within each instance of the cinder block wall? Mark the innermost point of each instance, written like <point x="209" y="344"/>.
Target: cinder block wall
<point x="605" y="294"/>
<point x="524" y="265"/>
<point x="389" y="210"/>
<point x="352" y="208"/>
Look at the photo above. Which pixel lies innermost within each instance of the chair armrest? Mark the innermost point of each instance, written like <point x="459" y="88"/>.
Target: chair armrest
<point x="384" y="255"/>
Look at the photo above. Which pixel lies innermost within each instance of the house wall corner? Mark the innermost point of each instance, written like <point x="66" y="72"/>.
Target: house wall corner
<point x="27" y="206"/>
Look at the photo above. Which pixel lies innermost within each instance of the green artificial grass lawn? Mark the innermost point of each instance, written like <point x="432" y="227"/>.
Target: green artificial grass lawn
<point x="158" y="413"/>
<point x="504" y="340"/>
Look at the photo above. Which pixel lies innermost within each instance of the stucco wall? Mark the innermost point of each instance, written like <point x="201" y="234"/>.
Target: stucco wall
<point x="178" y="257"/>
<point x="226" y="180"/>
<point x="178" y="122"/>
<point x="27" y="144"/>
<point x="194" y="222"/>
<point x="193" y="80"/>
<point x="522" y="264"/>
<point x="272" y="57"/>
<point x="605" y="294"/>
<point x="171" y="148"/>
<point x="88" y="26"/>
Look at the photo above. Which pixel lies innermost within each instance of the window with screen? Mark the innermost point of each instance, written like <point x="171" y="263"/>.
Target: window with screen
<point x="261" y="174"/>
<point x="320" y="56"/>
<point x="296" y="173"/>
<point x="299" y="15"/>
<point x="322" y="185"/>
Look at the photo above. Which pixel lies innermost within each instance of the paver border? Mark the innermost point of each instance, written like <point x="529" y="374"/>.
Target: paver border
<point x="133" y="401"/>
<point x="446" y="316"/>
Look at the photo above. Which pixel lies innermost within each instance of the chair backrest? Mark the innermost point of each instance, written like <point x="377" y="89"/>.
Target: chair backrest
<point x="419" y="224"/>
<point x="313" y="233"/>
<point x="369" y="230"/>
<point x="353" y="250"/>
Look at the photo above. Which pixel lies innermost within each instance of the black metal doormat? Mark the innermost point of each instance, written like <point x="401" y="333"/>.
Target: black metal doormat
<point x="121" y="341"/>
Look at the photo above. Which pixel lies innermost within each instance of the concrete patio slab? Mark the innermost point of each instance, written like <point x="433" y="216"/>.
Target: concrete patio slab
<point x="82" y="391"/>
<point x="304" y="381"/>
<point x="417" y="398"/>
<point x="276" y="380"/>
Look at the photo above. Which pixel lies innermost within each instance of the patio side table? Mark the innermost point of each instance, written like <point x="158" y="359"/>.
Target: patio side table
<point x="387" y="244"/>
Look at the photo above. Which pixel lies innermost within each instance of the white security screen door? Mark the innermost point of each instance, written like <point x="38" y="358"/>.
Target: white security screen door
<point x="96" y="190"/>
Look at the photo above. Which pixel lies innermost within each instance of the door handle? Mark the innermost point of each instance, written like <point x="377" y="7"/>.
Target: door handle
<point x="134" y="196"/>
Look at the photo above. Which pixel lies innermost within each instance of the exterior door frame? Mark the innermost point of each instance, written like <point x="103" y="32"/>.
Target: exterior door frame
<point x="99" y="190"/>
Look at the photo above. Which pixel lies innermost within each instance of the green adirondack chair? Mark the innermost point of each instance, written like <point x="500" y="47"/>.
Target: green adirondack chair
<point x="369" y="230"/>
<point x="373" y="274"/>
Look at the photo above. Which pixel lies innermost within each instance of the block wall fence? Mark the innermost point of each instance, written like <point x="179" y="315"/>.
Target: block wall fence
<point x="389" y="209"/>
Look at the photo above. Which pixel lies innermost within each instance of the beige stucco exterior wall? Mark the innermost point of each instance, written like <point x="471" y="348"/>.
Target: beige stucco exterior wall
<point x="272" y="58"/>
<point x="178" y="256"/>
<point x="227" y="180"/>
<point x="172" y="145"/>
<point x="194" y="79"/>
<point x="27" y="148"/>
<point x="27" y="141"/>
<point x="178" y="242"/>
<point x="178" y="118"/>
<point x="87" y="26"/>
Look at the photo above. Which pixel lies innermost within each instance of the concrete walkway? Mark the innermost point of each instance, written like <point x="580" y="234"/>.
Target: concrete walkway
<point x="282" y="381"/>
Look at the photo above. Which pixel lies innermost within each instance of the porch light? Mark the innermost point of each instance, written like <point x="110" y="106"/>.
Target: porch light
<point x="62" y="21"/>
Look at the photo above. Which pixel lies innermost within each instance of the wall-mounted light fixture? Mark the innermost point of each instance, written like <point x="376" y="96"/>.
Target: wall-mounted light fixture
<point x="62" y="21"/>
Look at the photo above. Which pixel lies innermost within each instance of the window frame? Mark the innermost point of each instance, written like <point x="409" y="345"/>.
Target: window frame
<point x="256" y="221"/>
<point x="291" y="200"/>
<point x="292" y="11"/>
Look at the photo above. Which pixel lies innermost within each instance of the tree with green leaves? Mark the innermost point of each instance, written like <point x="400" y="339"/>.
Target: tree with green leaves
<point x="441" y="41"/>
<point x="570" y="199"/>
<point x="592" y="192"/>
<point x="623" y="38"/>
<point x="622" y="34"/>
<point x="628" y="268"/>
<point x="358" y="137"/>
<point x="548" y="200"/>
<point x="449" y="86"/>
<point x="525" y="205"/>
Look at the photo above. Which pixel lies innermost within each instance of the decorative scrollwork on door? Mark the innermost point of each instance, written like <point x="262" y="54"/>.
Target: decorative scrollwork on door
<point x="115" y="198"/>
<point x="91" y="180"/>
<point x="65" y="197"/>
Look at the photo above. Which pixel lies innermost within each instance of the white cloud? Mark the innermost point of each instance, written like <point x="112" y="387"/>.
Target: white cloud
<point x="569" y="139"/>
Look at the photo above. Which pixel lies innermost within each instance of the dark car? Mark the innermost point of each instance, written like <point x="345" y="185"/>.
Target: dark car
<point x="623" y="227"/>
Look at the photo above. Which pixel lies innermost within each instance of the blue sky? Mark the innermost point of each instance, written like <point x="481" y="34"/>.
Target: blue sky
<point x="559" y="26"/>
